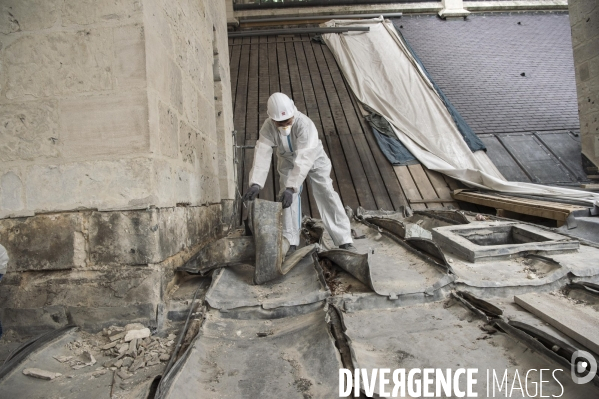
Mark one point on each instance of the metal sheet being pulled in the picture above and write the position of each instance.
(266, 222)
(434, 335)
(293, 358)
(232, 288)
(386, 266)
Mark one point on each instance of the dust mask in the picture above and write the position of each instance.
(285, 130)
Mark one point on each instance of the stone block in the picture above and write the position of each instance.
(59, 63)
(84, 12)
(164, 76)
(127, 237)
(176, 86)
(204, 223)
(30, 322)
(190, 103)
(30, 131)
(169, 131)
(11, 193)
(206, 115)
(125, 183)
(41, 242)
(107, 287)
(28, 15)
(95, 319)
(156, 25)
(106, 124)
(189, 143)
(130, 56)
(166, 176)
(172, 231)
(200, 67)
(585, 51)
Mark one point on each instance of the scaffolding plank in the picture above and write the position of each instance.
(441, 187)
(388, 176)
(545, 209)
(378, 191)
(358, 174)
(347, 190)
(409, 186)
(567, 318)
(424, 185)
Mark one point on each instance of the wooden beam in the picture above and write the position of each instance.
(567, 318)
(545, 209)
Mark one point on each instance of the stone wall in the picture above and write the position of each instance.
(584, 19)
(115, 153)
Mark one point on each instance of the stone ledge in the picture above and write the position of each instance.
(82, 240)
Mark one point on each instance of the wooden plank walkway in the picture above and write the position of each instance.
(525, 206)
(308, 73)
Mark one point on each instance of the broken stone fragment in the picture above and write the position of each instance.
(133, 345)
(87, 358)
(164, 357)
(139, 334)
(127, 362)
(153, 361)
(98, 373)
(123, 374)
(123, 348)
(110, 345)
(63, 359)
(41, 374)
(138, 363)
(117, 336)
(134, 326)
(118, 363)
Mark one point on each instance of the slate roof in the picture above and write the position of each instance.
(529, 122)
(478, 64)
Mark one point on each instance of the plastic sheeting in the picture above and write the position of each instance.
(384, 75)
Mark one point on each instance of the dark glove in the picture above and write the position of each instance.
(252, 193)
(287, 198)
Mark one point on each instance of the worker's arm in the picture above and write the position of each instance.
(307, 144)
(262, 157)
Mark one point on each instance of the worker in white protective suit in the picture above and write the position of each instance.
(300, 155)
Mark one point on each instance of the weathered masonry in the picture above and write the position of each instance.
(115, 153)
(584, 18)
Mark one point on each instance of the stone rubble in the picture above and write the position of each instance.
(41, 374)
(130, 348)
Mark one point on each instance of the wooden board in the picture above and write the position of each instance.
(545, 209)
(441, 188)
(409, 187)
(565, 317)
(424, 185)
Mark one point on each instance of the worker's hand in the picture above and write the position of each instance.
(252, 193)
(287, 198)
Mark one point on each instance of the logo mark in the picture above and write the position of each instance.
(283, 113)
(583, 363)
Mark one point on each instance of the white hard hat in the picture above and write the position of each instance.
(280, 107)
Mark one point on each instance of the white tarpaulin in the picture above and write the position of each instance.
(384, 75)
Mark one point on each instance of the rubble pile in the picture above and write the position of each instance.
(132, 348)
(128, 348)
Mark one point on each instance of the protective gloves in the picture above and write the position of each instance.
(252, 193)
(287, 198)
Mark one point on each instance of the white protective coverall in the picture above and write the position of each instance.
(300, 155)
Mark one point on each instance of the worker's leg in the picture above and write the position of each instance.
(329, 204)
(292, 216)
